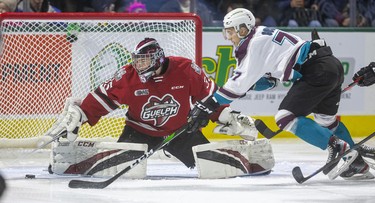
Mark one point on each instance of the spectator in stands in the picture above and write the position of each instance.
(108, 5)
(366, 13)
(8, 6)
(184, 6)
(337, 12)
(36, 6)
(73, 5)
(153, 6)
(298, 13)
(136, 7)
(334, 12)
(265, 10)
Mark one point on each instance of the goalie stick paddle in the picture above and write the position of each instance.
(300, 178)
(268, 133)
(100, 185)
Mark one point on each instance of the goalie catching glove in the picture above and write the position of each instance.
(234, 123)
(69, 121)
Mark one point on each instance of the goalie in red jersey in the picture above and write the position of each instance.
(159, 92)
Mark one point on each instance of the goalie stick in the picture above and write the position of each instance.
(54, 138)
(41, 146)
(298, 175)
(268, 133)
(100, 185)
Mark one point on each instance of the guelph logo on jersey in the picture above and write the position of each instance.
(160, 110)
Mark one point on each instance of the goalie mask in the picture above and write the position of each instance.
(237, 18)
(147, 57)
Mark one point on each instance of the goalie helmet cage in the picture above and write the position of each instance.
(48, 57)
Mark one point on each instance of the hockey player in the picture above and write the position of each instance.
(265, 55)
(159, 92)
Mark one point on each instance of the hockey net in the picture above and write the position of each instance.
(46, 58)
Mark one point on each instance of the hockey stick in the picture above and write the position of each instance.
(268, 133)
(103, 184)
(297, 173)
(350, 86)
(54, 138)
(265, 130)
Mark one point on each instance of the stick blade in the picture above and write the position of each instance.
(87, 184)
(297, 175)
(264, 130)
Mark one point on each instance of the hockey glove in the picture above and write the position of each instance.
(366, 75)
(200, 114)
(234, 123)
(70, 120)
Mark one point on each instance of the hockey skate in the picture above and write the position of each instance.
(358, 170)
(335, 148)
(368, 153)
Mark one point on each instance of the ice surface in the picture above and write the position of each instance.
(170, 181)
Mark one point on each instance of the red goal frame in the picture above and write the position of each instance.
(113, 16)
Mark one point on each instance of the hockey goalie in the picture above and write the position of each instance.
(159, 92)
(224, 159)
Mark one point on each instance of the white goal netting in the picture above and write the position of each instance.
(46, 58)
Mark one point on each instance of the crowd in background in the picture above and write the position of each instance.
(286, 13)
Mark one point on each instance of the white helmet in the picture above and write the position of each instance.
(237, 17)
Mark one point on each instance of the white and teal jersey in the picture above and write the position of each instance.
(264, 50)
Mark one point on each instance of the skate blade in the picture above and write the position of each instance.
(335, 172)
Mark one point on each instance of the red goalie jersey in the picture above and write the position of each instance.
(158, 107)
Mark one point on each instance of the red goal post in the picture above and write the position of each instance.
(47, 57)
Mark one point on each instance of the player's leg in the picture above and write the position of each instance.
(132, 136)
(325, 115)
(300, 101)
(319, 81)
(181, 147)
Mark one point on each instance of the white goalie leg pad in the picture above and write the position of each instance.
(97, 159)
(234, 123)
(234, 158)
